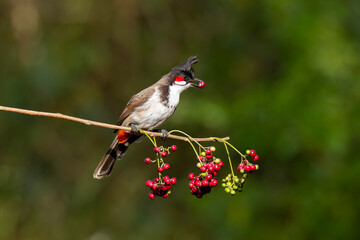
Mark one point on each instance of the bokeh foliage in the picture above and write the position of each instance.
(281, 77)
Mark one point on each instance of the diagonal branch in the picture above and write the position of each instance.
(104, 125)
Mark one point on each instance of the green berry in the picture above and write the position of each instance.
(256, 167)
(235, 187)
(217, 161)
(228, 184)
(236, 180)
(227, 190)
(242, 180)
(242, 170)
(239, 190)
(232, 192)
(203, 154)
(198, 165)
(223, 185)
(245, 175)
(248, 152)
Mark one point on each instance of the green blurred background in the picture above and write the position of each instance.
(282, 77)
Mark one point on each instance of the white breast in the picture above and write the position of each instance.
(154, 112)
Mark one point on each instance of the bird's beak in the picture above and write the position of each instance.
(196, 82)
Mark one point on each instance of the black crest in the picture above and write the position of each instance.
(187, 65)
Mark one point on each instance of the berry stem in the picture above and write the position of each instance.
(230, 163)
(191, 139)
(188, 136)
(242, 155)
(147, 135)
(226, 142)
(193, 147)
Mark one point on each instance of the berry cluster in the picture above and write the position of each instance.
(245, 165)
(209, 166)
(161, 185)
(233, 183)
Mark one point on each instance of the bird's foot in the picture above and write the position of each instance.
(133, 130)
(165, 134)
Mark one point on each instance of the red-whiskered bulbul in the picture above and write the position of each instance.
(147, 110)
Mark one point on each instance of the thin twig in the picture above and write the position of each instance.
(104, 125)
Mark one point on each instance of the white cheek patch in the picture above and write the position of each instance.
(181, 83)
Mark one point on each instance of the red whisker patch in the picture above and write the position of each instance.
(178, 79)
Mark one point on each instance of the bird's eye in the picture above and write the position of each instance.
(178, 79)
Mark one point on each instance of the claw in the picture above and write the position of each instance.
(133, 129)
(165, 134)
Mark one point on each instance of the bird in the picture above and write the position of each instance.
(147, 110)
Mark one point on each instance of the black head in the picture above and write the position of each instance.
(183, 74)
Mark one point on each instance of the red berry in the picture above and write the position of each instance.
(165, 195)
(203, 169)
(173, 180)
(160, 169)
(247, 168)
(173, 148)
(221, 164)
(256, 157)
(208, 157)
(241, 166)
(201, 84)
(204, 183)
(209, 176)
(199, 157)
(164, 154)
(191, 176)
(197, 178)
(166, 166)
(216, 167)
(191, 185)
(211, 169)
(156, 149)
(167, 181)
(149, 183)
(151, 195)
(214, 182)
(198, 183)
(208, 151)
(252, 167)
(252, 153)
(147, 160)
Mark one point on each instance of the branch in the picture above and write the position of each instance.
(104, 125)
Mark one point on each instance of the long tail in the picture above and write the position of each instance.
(116, 151)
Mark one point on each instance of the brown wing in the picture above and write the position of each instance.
(136, 100)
